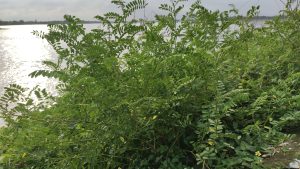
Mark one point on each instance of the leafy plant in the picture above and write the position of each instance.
(206, 90)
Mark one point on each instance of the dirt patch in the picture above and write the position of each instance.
(286, 154)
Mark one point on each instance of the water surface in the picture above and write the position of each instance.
(21, 53)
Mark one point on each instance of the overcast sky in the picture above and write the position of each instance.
(43, 10)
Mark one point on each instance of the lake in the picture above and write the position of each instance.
(21, 53)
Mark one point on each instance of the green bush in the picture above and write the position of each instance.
(210, 91)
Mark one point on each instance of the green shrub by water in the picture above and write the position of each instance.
(210, 91)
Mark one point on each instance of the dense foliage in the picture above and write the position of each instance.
(210, 91)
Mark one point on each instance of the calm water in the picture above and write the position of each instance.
(21, 53)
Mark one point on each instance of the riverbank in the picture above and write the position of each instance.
(285, 154)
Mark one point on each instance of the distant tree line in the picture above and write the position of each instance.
(22, 22)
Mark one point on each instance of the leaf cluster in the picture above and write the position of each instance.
(209, 91)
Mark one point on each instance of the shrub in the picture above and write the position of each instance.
(164, 94)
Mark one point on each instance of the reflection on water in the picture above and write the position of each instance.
(21, 53)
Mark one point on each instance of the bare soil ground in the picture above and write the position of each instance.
(286, 154)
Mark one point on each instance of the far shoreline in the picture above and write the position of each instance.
(22, 22)
(9, 23)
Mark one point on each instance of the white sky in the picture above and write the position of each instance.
(43, 10)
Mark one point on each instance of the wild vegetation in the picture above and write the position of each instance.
(210, 91)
